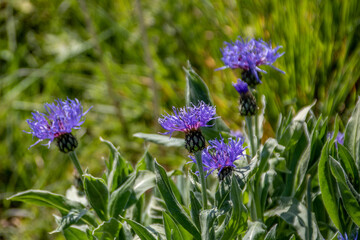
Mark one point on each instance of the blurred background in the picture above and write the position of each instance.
(125, 58)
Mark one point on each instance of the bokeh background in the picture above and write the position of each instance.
(125, 58)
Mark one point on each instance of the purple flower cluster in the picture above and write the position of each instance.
(249, 55)
(61, 118)
(188, 118)
(220, 155)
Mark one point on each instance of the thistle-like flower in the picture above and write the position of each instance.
(247, 104)
(189, 120)
(248, 56)
(57, 123)
(221, 156)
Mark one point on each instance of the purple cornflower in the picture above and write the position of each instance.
(249, 56)
(339, 138)
(189, 120)
(57, 123)
(221, 156)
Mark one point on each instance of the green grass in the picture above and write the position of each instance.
(47, 51)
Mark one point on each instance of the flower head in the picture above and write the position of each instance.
(189, 118)
(221, 156)
(60, 119)
(249, 55)
(241, 87)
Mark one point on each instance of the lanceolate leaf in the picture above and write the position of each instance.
(237, 223)
(49, 199)
(172, 204)
(296, 214)
(207, 218)
(196, 89)
(72, 233)
(120, 197)
(347, 191)
(172, 230)
(140, 230)
(161, 140)
(97, 194)
(66, 221)
(328, 189)
(352, 134)
(118, 168)
(255, 231)
(108, 230)
(271, 235)
(348, 163)
(195, 209)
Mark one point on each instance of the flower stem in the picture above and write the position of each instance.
(202, 178)
(250, 135)
(257, 134)
(76, 162)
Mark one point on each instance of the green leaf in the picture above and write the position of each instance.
(49, 199)
(161, 140)
(140, 230)
(237, 223)
(302, 167)
(266, 152)
(352, 134)
(71, 218)
(195, 209)
(348, 163)
(118, 167)
(73, 233)
(146, 162)
(295, 214)
(294, 130)
(171, 202)
(108, 230)
(144, 181)
(328, 189)
(271, 235)
(207, 218)
(120, 197)
(255, 231)
(347, 191)
(196, 89)
(171, 228)
(97, 194)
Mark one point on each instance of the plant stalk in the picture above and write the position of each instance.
(250, 134)
(76, 162)
(202, 178)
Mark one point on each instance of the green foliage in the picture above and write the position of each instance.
(97, 194)
(298, 185)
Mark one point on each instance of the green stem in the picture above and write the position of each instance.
(250, 135)
(202, 178)
(253, 210)
(257, 131)
(76, 162)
